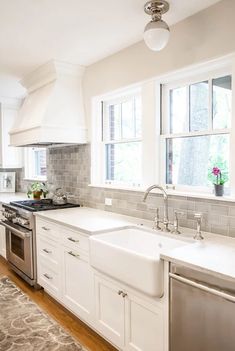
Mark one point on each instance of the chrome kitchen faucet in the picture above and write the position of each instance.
(165, 221)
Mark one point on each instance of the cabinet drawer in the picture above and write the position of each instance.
(48, 251)
(51, 230)
(75, 240)
(49, 279)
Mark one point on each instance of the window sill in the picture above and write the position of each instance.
(169, 192)
(35, 179)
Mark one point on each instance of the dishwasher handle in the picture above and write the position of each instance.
(220, 293)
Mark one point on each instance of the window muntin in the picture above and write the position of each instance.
(122, 140)
(200, 120)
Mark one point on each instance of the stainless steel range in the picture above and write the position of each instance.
(21, 236)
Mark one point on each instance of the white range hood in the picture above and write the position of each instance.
(52, 112)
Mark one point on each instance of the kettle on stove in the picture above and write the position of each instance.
(59, 197)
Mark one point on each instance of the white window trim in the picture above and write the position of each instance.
(153, 168)
(147, 92)
(28, 169)
(192, 79)
(107, 141)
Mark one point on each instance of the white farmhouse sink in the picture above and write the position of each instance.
(132, 256)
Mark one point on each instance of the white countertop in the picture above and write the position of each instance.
(8, 197)
(89, 220)
(215, 254)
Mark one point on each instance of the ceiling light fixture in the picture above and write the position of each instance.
(156, 32)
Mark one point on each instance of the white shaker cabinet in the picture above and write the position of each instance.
(110, 311)
(10, 157)
(48, 264)
(144, 325)
(130, 320)
(64, 269)
(77, 283)
(127, 320)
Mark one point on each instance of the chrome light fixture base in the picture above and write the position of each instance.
(156, 32)
(156, 7)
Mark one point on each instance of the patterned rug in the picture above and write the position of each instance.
(24, 327)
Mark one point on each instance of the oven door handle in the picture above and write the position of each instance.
(21, 234)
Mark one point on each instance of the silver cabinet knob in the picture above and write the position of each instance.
(73, 240)
(47, 251)
(45, 228)
(71, 253)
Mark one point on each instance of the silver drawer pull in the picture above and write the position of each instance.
(45, 228)
(47, 276)
(73, 254)
(47, 251)
(73, 240)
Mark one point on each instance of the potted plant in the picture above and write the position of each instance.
(219, 181)
(37, 189)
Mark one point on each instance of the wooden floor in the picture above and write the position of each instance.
(87, 337)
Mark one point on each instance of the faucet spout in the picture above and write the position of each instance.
(165, 196)
(155, 186)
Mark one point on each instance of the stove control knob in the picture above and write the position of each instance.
(8, 215)
(23, 221)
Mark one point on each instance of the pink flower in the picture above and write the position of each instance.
(216, 171)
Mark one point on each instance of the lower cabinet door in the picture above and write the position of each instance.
(110, 311)
(48, 278)
(78, 284)
(2, 241)
(144, 325)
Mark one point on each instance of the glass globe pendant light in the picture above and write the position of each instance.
(156, 32)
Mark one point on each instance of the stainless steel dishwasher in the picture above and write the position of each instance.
(202, 311)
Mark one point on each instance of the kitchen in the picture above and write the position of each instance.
(94, 118)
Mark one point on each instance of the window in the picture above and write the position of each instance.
(170, 130)
(35, 163)
(197, 130)
(122, 144)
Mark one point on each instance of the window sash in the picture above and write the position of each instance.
(107, 140)
(166, 88)
(30, 157)
(105, 117)
(166, 127)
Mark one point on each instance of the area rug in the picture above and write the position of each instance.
(25, 327)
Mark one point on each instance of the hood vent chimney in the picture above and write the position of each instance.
(52, 112)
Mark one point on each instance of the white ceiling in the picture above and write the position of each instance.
(34, 31)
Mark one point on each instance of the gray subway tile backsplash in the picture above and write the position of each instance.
(69, 168)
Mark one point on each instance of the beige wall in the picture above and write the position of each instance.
(206, 35)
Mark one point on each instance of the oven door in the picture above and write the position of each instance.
(19, 248)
